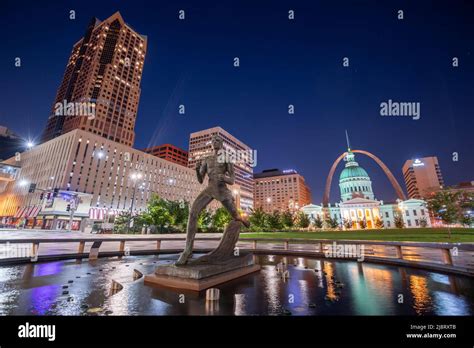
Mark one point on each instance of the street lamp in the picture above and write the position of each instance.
(135, 177)
(23, 183)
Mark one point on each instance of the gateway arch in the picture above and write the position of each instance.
(388, 173)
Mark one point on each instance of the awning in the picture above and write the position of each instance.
(97, 213)
(20, 212)
(101, 213)
(28, 212)
(33, 212)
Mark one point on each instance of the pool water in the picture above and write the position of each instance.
(314, 287)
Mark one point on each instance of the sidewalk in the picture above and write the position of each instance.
(66, 248)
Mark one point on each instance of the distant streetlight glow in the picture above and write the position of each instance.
(135, 176)
(23, 183)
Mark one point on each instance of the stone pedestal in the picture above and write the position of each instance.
(199, 277)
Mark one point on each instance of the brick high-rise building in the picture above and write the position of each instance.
(200, 147)
(102, 76)
(170, 153)
(422, 177)
(280, 190)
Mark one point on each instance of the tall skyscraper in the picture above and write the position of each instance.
(422, 177)
(170, 153)
(280, 190)
(100, 89)
(200, 147)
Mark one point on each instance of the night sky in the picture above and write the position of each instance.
(283, 62)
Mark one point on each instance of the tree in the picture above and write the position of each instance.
(466, 220)
(204, 220)
(179, 210)
(258, 219)
(221, 218)
(347, 224)
(398, 220)
(302, 220)
(158, 213)
(123, 221)
(331, 222)
(363, 224)
(274, 220)
(423, 222)
(379, 223)
(466, 200)
(449, 206)
(287, 219)
(318, 223)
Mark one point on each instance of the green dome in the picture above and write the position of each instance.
(353, 172)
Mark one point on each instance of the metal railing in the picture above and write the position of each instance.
(451, 257)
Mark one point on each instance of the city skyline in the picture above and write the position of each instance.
(228, 95)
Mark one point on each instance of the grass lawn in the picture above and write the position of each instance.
(405, 234)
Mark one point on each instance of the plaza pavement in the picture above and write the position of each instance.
(55, 248)
(463, 259)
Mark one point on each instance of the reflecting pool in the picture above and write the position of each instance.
(314, 287)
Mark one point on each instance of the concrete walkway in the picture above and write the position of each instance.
(58, 245)
(10, 250)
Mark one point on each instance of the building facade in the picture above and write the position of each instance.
(238, 152)
(359, 209)
(112, 174)
(354, 180)
(100, 90)
(280, 190)
(422, 177)
(170, 153)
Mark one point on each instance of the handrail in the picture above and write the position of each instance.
(446, 249)
(435, 245)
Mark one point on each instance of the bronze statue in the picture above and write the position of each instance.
(220, 173)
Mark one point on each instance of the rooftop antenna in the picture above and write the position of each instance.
(348, 144)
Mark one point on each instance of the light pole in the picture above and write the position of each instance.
(25, 183)
(73, 203)
(135, 177)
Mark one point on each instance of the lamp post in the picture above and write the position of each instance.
(25, 183)
(135, 177)
(29, 145)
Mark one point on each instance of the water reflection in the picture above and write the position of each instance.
(314, 287)
(450, 304)
(43, 298)
(420, 293)
(239, 304)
